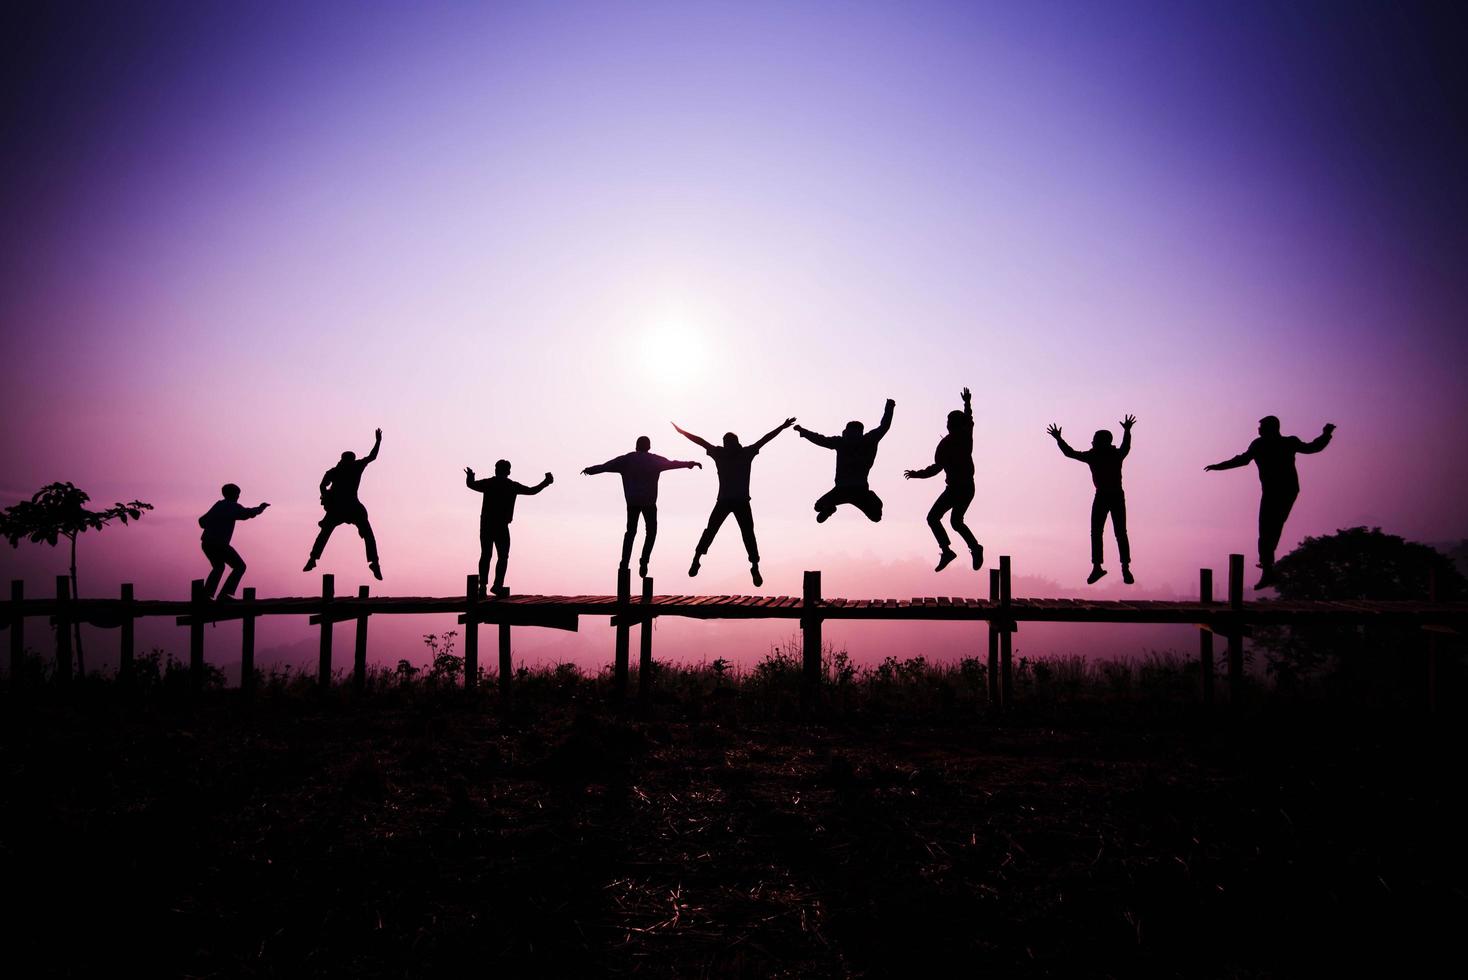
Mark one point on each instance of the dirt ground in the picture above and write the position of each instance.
(432, 835)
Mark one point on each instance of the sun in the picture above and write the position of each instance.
(674, 350)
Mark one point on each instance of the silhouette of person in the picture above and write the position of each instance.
(1274, 454)
(954, 458)
(495, 515)
(733, 462)
(218, 524)
(339, 498)
(856, 451)
(640, 471)
(1105, 462)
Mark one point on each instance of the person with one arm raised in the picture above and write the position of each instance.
(495, 515)
(218, 524)
(733, 462)
(1105, 461)
(954, 458)
(1279, 482)
(339, 486)
(856, 451)
(640, 471)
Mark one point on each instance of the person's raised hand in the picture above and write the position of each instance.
(697, 465)
(1329, 428)
(1210, 467)
(1129, 421)
(469, 472)
(909, 474)
(263, 505)
(891, 403)
(1054, 430)
(968, 396)
(799, 429)
(549, 479)
(377, 433)
(788, 422)
(586, 472)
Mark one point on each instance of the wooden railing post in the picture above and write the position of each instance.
(619, 666)
(810, 632)
(1205, 636)
(247, 643)
(17, 631)
(644, 658)
(359, 650)
(328, 596)
(1006, 638)
(1236, 630)
(993, 640)
(471, 632)
(125, 651)
(198, 605)
(63, 629)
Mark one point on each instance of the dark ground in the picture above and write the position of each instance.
(417, 833)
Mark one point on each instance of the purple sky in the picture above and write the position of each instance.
(238, 237)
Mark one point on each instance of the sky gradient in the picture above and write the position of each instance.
(239, 237)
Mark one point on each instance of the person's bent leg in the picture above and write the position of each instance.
(364, 528)
(237, 571)
(216, 569)
(961, 500)
(869, 504)
(716, 521)
(1274, 510)
(826, 503)
(328, 524)
(1123, 542)
(935, 519)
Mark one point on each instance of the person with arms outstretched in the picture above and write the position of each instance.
(495, 515)
(339, 487)
(640, 471)
(954, 458)
(856, 451)
(1279, 482)
(1105, 460)
(733, 462)
(218, 523)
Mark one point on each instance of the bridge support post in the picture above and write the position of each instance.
(359, 651)
(471, 632)
(197, 608)
(1236, 630)
(247, 643)
(993, 641)
(125, 641)
(328, 596)
(644, 658)
(624, 630)
(1205, 637)
(1006, 636)
(810, 632)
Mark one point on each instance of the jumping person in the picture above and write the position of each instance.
(218, 524)
(954, 458)
(733, 462)
(495, 515)
(1105, 462)
(339, 498)
(1274, 454)
(856, 451)
(640, 471)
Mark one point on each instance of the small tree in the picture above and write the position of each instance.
(56, 511)
(1354, 563)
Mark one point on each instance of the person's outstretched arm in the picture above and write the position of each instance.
(1242, 459)
(968, 404)
(376, 445)
(925, 472)
(538, 487)
(773, 433)
(1054, 430)
(1126, 434)
(692, 438)
(828, 442)
(680, 464)
(472, 483)
(881, 430)
(1320, 441)
(255, 511)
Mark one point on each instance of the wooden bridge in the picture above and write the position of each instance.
(1003, 612)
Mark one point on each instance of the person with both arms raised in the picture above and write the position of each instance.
(640, 471)
(856, 451)
(733, 462)
(1105, 461)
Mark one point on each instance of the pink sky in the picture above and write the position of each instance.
(538, 234)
